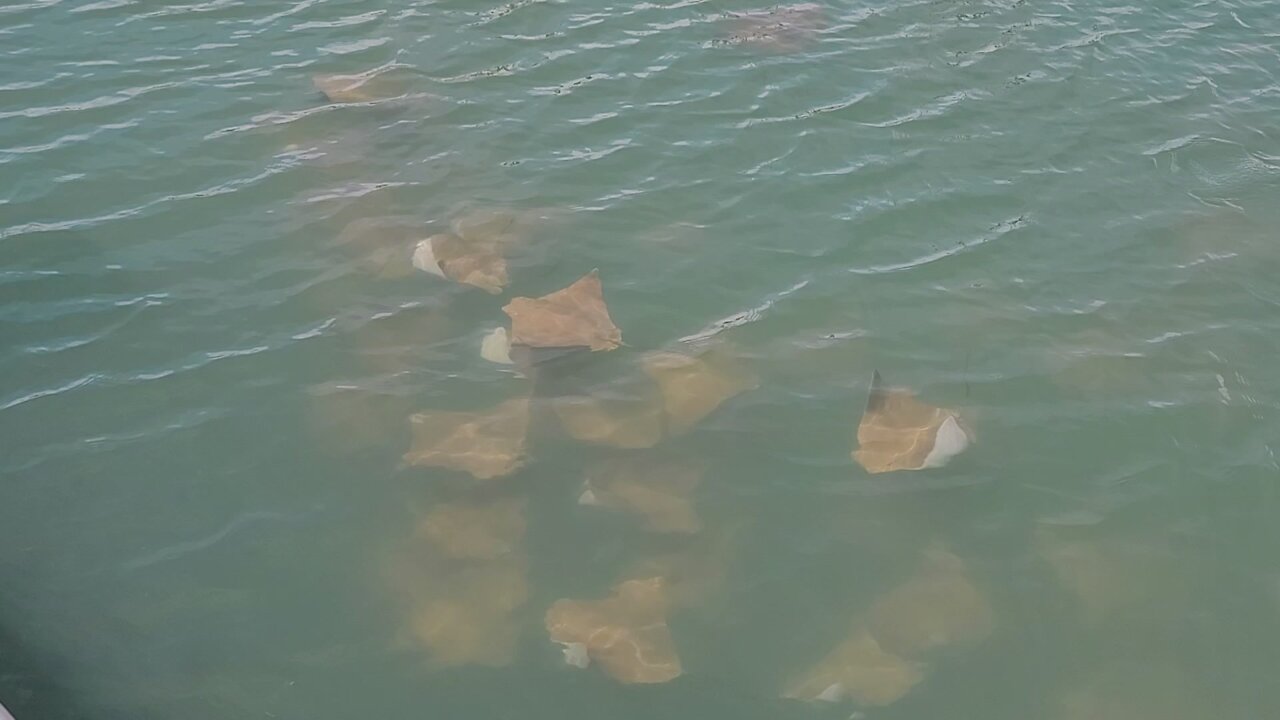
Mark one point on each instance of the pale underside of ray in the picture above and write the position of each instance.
(694, 387)
(1107, 577)
(898, 432)
(496, 347)
(938, 607)
(622, 423)
(574, 316)
(486, 445)
(475, 530)
(661, 494)
(858, 669)
(626, 633)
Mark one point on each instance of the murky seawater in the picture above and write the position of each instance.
(252, 463)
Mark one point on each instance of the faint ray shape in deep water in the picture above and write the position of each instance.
(623, 420)
(489, 444)
(476, 529)
(939, 607)
(857, 669)
(461, 612)
(659, 494)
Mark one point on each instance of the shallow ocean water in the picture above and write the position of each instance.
(1057, 218)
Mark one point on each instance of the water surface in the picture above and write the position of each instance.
(1057, 218)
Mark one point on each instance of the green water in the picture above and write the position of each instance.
(1058, 219)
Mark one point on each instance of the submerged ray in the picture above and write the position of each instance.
(938, 607)
(476, 264)
(858, 669)
(486, 444)
(694, 387)
(898, 432)
(383, 243)
(660, 493)
(696, 573)
(626, 633)
(634, 423)
(475, 530)
(575, 316)
(464, 615)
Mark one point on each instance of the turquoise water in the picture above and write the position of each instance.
(1057, 219)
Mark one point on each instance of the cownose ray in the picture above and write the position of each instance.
(488, 444)
(857, 669)
(938, 607)
(478, 264)
(473, 251)
(626, 633)
(693, 387)
(898, 432)
(475, 530)
(621, 422)
(572, 317)
(659, 493)
(461, 612)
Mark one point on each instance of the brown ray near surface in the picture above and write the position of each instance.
(693, 387)
(857, 669)
(621, 423)
(937, 607)
(626, 633)
(575, 316)
(898, 432)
